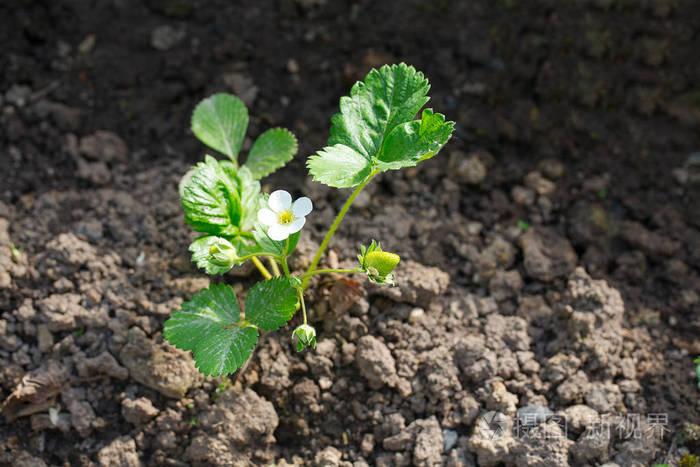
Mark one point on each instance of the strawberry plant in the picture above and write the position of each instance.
(375, 131)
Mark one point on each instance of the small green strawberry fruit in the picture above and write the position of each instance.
(378, 264)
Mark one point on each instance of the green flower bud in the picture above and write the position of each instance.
(305, 336)
(222, 253)
(215, 255)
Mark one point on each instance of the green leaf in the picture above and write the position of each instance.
(387, 98)
(210, 198)
(209, 326)
(220, 199)
(375, 128)
(413, 142)
(292, 244)
(271, 151)
(339, 166)
(220, 122)
(215, 255)
(270, 304)
(268, 245)
(251, 198)
(185, 180)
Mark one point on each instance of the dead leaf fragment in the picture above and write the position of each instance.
(35, 393)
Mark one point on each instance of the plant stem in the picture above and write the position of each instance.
(334, 227)
(274, 267)
(333, 271)
(254, 255)
(263, 270)
(285, 266)
(303, 305)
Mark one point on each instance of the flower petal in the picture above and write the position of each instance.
(267, 217)
(280, 201)
(302, 207)
(296, 225)
(278, 232)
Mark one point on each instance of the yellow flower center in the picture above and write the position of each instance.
(285, 217)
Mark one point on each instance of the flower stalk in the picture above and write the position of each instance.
(274, 267)
(261, 267)
(333, 271)
(334, 226)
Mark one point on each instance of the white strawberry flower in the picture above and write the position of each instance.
(282, 217)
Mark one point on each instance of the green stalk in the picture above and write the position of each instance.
(263, 270)
(334, 227)
(257, 255)
(274, 267)
(303, 305)
(333, 271)
(285, 266)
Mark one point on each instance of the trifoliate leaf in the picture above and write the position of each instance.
(210, 198)
(220, 122)
(209, 326)
(270, 304)
(375, 128)
(214, 254)
(339, 166)
(272, 150)
(413, 142)
(387, 98)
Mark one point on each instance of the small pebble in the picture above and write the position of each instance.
(416, 315)
(166, 37)
(533, 415)
(449, 439)
(292, 66)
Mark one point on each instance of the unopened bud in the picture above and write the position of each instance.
(305, 336)
(222, 253)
